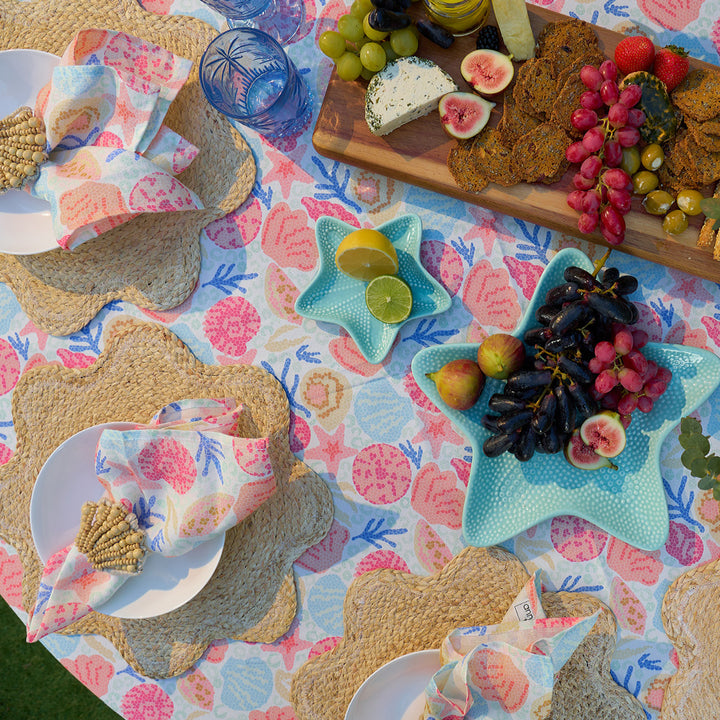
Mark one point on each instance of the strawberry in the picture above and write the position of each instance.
(634, 53)
(671, 66)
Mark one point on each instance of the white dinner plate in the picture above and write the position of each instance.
(396, 691)
(65, 482)
(25, 222)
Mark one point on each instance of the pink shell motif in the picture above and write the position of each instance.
(167, 461)
(160, 192)
(206, 515)
(498, 680)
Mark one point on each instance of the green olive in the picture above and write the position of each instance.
(658, 202)
(675, 222)
(644, 182)
(652, 157)
(689, 201)
(630, 162)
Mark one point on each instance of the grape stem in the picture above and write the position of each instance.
(599, 264)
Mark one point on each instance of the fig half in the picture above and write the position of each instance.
(464, 115)
(488, 71)
(604, 433)
(582, 456)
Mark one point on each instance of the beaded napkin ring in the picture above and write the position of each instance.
(111, 538)
(22, 147)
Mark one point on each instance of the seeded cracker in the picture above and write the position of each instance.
(542, 152)
(704, 165)
(593, 58)
(562, 42)
(567, 101)
(706, 134)
(698, 95)
(535, 87)
(498, 162)
(676, 172)
(464, 167)
(515, 122)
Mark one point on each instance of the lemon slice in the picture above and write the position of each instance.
(389, 299)
(366, 254)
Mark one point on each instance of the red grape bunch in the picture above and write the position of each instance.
(610, 121)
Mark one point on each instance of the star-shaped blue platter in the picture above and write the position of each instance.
(506, 497)
(337, 298)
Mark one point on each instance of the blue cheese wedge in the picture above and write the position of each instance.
(404, 90)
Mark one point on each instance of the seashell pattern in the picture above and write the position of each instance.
(22, 147)
(111, 538)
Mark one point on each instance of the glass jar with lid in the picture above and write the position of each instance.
(460, 17)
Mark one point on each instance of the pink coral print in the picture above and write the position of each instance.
(273, 713)
(525, 274)
(318, 208)
(167, 461)
(682, 334)
(498, 680)
(11, 578)
(629, 611)
(443, 263)
(381, 474)
(197, 689)
(141, 64)
(489, 296)
(230, 324)
(93, 671)
(381, 560)
(58, 617)
(713, 328)
(322, 646)
(633, 564)
(436, 497)
(684, 544)
(9, 367)
(430, 548)
(281, 294)
(671, 15)
(576, 539)
(287, 239)
(239, 228)
(251, 454)
(327, 552)
(159, 192)
(147, 702)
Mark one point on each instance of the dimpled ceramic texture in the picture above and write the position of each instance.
(506, 497)
(337, 298)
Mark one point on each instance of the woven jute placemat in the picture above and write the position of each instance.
(251, 595)
(388, 613)
(152, 261)
(689, 614)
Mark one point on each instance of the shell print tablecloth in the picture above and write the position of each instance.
(396, 466)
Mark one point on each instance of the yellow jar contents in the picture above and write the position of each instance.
(460, 17)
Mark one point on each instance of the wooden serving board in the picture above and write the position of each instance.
(417, 153)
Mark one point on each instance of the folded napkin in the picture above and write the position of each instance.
(110, 156)
(184, 478)
(505, 670)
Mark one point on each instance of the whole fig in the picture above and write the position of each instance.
(459, 383)
(500, 354)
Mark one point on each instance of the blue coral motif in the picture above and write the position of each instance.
(211, 450)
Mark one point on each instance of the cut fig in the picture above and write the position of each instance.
(488, 71)
(604, 433)
(582, 456)
(464, 115)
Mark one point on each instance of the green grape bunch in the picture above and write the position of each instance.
(697, 457)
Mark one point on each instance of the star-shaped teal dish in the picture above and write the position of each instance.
(506, 497)
(337, 298)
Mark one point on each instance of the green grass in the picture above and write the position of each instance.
(34, 685)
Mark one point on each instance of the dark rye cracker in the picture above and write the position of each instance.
(534, 89)
(698, 95)
(541, 152)
(564, 41)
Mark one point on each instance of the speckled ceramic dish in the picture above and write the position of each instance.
(506, 496)
(337, 298)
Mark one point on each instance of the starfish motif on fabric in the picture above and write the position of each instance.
(289, 646)
(330, 448)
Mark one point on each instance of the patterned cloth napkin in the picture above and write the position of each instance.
(505, 670)
(186, 478)
(110, 156)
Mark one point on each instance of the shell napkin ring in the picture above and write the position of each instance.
(110, 537)
(22, 147)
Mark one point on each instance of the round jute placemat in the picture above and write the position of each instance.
(689, 612)
(152, 261)
(251, 595)
(388, 613)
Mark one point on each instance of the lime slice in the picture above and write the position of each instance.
(389, 299)
(366, 254)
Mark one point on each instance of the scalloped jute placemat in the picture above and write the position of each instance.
(251, 596)
(689, 614)
(152, 261)
(388, 613)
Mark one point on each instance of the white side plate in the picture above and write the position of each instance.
(396, 691)
(25, 222)
(65, 482)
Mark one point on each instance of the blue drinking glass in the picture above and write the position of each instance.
(280, 19)
(247, 76)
